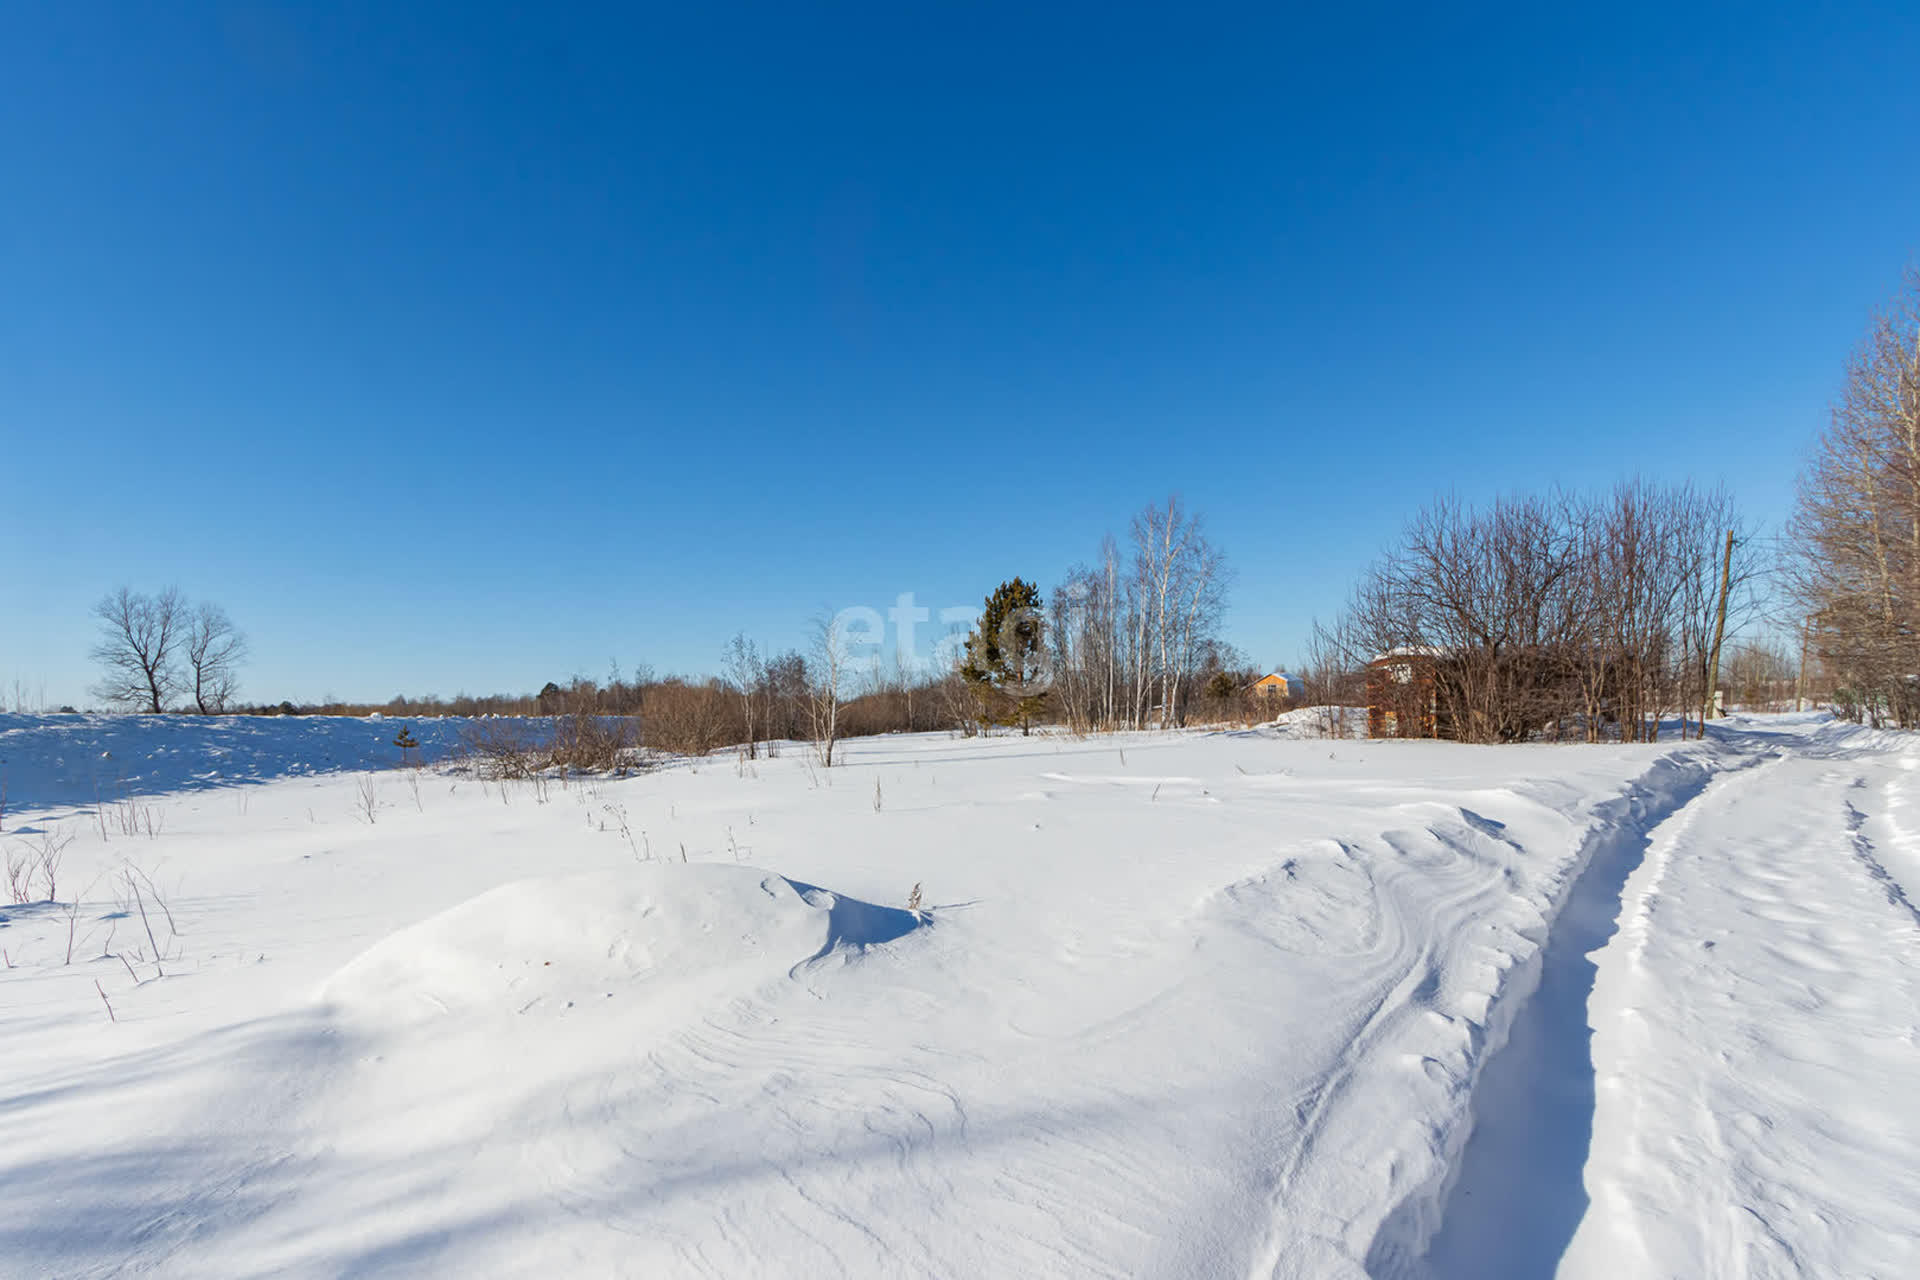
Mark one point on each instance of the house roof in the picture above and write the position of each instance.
(1413, 651)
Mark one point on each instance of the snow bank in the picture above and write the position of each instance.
(662, 931)
(1322, 722)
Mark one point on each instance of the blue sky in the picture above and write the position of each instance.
(466, 346)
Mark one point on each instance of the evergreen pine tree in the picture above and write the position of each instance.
(1004, 661)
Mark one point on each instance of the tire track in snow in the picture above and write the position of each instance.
(1863, 850)
(1424, 1030)
(1754, 1034)
(1507, 1194)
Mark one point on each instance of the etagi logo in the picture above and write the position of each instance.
(863, 634)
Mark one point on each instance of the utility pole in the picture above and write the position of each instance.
(1719, 630)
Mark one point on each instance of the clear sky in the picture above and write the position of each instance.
(462, 347)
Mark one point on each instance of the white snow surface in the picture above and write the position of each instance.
(1202, 1005)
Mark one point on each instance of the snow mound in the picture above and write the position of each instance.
(555, 944)
(1321, 722)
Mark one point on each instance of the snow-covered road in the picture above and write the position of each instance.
(1757, 1029)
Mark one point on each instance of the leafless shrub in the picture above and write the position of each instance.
(153, 891)
(48, 851)
(502, 747)
(19, 864)
(366, 798)
(588, 742)
(134, 890)
(513, 748)
(898, 698)
(962, 708)
(134, 818)
(39, 857)
(1552, 617)
(690, 719)
(618, 812)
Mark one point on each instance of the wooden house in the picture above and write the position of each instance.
(1403, 697)
(1277, 685)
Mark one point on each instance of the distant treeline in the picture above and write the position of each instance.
(1132, 642)
(699, 716)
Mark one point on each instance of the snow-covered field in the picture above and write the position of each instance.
(1185, 1005)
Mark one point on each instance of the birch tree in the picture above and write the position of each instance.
(747, 673)
(1856, 527)
(1128, 635)
(827, 690)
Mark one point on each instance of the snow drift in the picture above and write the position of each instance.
(660, 931)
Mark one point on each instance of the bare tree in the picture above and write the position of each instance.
(1202, 600)
(1656, 568)
(215, 648)
(746, 672)
(1489, 593)
(1077, 629)
(1856, 531)
(1761, 676)
(1555, 616)
(1128, 640)
(831, 658)
(27, 702)
(140, 636)
(785, 697)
